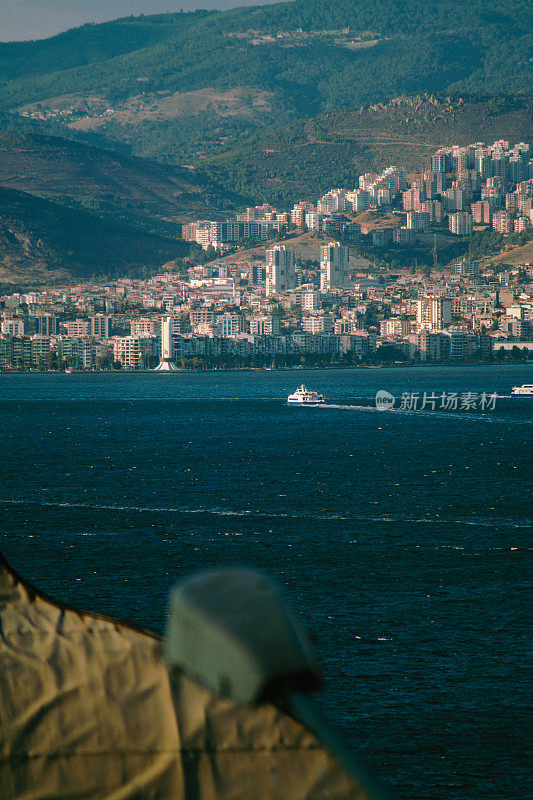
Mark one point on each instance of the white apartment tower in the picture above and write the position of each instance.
(280, 269)
(460, 223)
(333, 266)
(433, 313)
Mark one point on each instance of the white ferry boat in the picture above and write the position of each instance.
(304, 397)
(526, 389)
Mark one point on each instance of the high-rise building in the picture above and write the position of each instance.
(501, 222)
(412, 199)
(230, 324)
(434, 183)
(333, 266)
(441, 161)
(127, 350)
(281, 273)
(47, 324)
(483, 162)
(432, 346)
(314, 220)
(454, 199)
(520, 224)
(318, 323)
(395, 326)
(258, 274)
(264, 325)
(459, 159)
(360, 200)
(418, 220)
(310, 297)
(434, 209)
(460, 223)
(433, 313)
(298, 213)
(78, 328)
(13, 327)
(482, 212)
(100, 326)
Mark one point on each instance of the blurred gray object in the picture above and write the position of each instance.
(88, 708)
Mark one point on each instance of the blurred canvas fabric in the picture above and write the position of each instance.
(88, 709)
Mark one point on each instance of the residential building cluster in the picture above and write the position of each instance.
(478, 185)
(278, 309)
(254, 314)
(465, 188)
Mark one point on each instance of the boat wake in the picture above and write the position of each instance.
(349, 407)
(483, 522)
(479, 416)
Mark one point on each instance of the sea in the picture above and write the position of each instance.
(401, 538)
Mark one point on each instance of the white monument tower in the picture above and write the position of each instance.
(166, 363)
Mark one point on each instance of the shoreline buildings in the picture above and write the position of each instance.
(261, 311)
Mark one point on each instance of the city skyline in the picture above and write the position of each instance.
(239, 310)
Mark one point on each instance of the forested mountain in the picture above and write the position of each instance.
(180, 87)
(126, 188)
(44, 242)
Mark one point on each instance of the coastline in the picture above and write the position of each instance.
(307, 367)
(348, 367)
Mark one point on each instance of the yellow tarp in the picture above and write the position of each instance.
(88, 711)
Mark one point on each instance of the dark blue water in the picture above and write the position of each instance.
(403, 539)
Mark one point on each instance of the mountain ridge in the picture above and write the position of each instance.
(308, 58)
(107, 181)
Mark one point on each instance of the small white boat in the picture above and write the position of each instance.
(526, 389)
(304, 397)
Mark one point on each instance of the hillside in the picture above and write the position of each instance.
(305, 159)
(180, 87)
(306, 247)
(53, 191)
(44, 242)
(116, 186)
(513, 256)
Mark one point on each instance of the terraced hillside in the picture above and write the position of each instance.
(305, 159)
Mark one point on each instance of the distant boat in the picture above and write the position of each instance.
(304, 397)
(69, 370)
(526, 390)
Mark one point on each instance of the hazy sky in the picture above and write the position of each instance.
(37, 19)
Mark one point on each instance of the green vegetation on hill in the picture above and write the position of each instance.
(133, 82)
(305, 159)
(39, 238)
(154, 197)
(79, 47)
